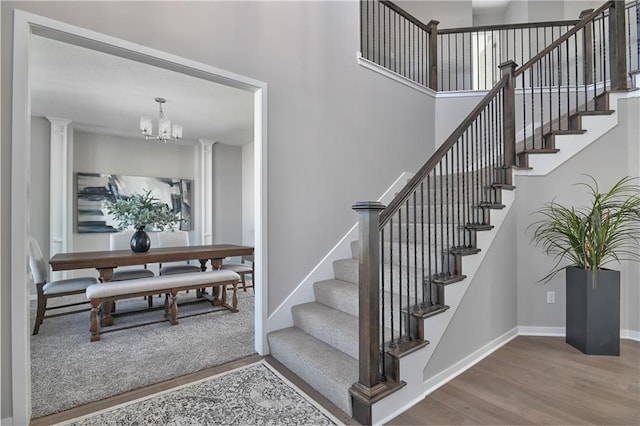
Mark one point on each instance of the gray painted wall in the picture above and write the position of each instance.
(613, 156)
(227, 194)
(330, 120)
(488, 309)
(39, 197)
(248, 193)
(451, 14)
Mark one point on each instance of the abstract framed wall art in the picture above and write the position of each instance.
(93, 189)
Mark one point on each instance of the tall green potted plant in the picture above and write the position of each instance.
(138, 211)
(608, 229)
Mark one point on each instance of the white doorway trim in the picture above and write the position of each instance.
(26, 24)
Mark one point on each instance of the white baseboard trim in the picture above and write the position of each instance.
(467, 362)
(524, 330)
(630, 334)
(560, 332)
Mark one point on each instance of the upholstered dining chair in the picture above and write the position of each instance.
(122, 241)
(243, 269)
(175, 238)
(48, 290)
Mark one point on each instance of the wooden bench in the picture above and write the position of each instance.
(169, 284)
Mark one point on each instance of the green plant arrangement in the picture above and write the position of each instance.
(607, 229)
(140, 210)
(588, 237)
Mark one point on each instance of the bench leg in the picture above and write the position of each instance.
(107, 307)
(95, 323)
(174, 307)
(234, 299)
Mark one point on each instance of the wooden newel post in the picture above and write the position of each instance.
(433, 54)
(368, 386)
(509, 119)
(617, 46)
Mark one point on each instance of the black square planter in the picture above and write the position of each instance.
(593, 312)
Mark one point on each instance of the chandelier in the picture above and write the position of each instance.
(165, 131)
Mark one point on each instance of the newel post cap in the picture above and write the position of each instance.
(368, 205)
(508, 65)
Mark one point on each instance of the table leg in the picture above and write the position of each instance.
(106, 308)
(216, 264)
(200, 292)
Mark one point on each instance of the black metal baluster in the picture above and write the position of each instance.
(442, 233)
(531, 84)
(422, 207)
(595, 79)
(459, 198)
(429, 227)
(603, 52)
(575, 53)
(382, 303)
(392, 342)
(566, 46)
(400, 316)
(407, 323)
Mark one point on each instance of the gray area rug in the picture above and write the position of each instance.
(250, 395)
(67, 370)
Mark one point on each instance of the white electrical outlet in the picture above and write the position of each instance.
(551, 297)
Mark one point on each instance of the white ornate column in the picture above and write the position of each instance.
(58, 189)
(206, 191)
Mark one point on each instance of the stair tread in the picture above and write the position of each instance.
(479, 226)
(595, 112)
(505, 186)
(338, 294)
(446, 279)
(494, 206)
(465, 251)
(566, 132)
(540, 151)
(429, 310)
(329, 325)
(326, 369)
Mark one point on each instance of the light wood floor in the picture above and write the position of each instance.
(538, 380)
(531, 380)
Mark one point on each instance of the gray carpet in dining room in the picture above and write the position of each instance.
(67, 370)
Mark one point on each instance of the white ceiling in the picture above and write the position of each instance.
(108, 94)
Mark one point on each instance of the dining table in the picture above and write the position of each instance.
(105, 261)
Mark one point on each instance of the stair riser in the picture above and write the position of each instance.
(349, 272)
(335, 389)
(432, 235)
(471, 193)
(435, 216)
(321, 325)
(345, 299)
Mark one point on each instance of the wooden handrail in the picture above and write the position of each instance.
(523, 25)
(437, 156)
(415, 21)
(583, 22)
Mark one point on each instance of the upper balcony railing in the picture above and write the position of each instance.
(468, 58)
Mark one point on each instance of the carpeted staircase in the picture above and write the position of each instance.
(322, 346)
